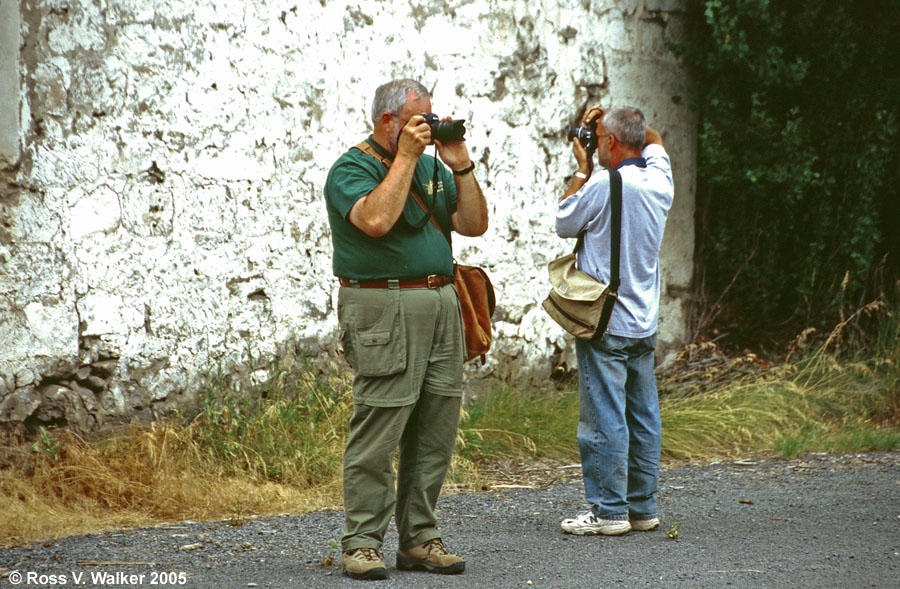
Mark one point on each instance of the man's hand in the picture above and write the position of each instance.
(653, 137)
(453, 153)
(593, 114)
(585, 160)
(414, 138)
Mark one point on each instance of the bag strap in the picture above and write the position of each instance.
(367, 148)
(615, 234)
(615, 187)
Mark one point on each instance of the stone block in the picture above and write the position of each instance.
(18, 406)
(104, 368)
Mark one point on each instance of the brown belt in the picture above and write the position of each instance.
(432, 281)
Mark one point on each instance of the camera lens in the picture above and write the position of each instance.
(585, 136)
(448, 130)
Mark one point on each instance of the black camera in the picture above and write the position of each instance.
(445, 130)
(587, 136)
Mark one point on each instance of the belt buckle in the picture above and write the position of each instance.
(432, 281)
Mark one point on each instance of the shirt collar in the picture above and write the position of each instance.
(633, 161)
(371, 141)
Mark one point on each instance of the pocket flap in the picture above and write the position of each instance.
(374, 338)
(571, 283)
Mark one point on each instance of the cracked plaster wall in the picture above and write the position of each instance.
(161, 212)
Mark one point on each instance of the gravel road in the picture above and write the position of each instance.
(821, 521)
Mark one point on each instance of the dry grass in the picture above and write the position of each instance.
(280, 449)
(815, 400)
(135, 477)
(274, 450)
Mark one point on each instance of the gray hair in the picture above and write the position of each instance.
(627, 123)
(391, 97)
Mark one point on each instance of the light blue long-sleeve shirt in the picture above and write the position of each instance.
(647, 195)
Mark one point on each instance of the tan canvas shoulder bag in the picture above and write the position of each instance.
(578, 302)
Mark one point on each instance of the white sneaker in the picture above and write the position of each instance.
(588, 524)
(645, 525)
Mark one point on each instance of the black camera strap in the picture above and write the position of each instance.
(615, 234)
(430, 210)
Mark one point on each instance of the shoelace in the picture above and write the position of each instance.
(435, 545)
(368, 554)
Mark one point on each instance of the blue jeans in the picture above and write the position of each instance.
(619, 429)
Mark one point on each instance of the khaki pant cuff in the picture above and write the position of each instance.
(354, 545)
(420, 538)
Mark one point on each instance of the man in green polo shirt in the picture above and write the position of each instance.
(402, 331)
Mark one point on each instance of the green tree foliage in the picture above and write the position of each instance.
(798, 167)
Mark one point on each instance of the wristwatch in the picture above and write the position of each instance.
(464, 171)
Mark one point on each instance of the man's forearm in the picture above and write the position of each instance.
(585, 163)
(574, 186)
(471, 217)
(377, 212)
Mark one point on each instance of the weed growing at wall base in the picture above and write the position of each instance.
(841, 400)
(278, 448)
(291, 430)
(275, 449)
(844, 400)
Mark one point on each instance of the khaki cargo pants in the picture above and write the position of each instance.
(406, 347)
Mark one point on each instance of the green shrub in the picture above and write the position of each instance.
(798, 168)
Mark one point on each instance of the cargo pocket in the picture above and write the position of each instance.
(375, 338)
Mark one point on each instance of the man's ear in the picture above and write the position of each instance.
(612, 138)
(385, 118)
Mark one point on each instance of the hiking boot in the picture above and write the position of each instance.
(645, 525)
(588, 524)
(363, 563)
(431, 557)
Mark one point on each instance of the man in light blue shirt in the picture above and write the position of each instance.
(619, 430)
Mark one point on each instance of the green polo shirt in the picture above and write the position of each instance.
(403, 252)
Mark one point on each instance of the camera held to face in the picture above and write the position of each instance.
(445, 130)
(587, 136)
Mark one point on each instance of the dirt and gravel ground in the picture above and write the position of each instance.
(821, 521)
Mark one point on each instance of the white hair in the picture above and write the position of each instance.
(627, 123)
(391, 97)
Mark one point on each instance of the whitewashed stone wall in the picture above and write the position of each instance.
(161, 214)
